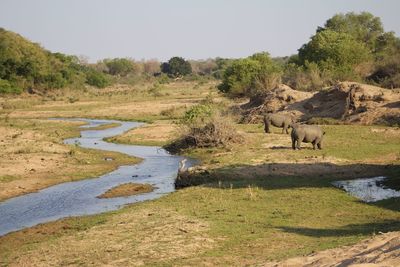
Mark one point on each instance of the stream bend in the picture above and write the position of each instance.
(158, 168)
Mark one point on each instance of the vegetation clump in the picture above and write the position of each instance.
(250, 76)
(126, 190)
(203, 126)
(176, 67)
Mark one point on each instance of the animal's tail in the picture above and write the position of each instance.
(323, 133)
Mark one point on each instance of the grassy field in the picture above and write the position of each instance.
(255, 202)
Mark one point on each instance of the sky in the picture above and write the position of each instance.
(193, 29)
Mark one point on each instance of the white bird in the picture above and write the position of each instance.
(182, 165)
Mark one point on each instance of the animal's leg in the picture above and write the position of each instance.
(319, 144)
(313, 144)
(266, 127)
(293, 143)
(299, 140)
(298, 144)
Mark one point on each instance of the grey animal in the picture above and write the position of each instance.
(277, 120)
(306, 133)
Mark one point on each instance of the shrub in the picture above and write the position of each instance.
(7, 88)
(197, 114)
(96, 78)
(216, 132)
(173, 112)
(387, 72)
(119, 66)
(155, 90)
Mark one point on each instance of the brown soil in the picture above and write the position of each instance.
(126, 190)
(381, 250)
(346, 101)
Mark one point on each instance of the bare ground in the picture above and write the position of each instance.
(349, 102)
(380, 250)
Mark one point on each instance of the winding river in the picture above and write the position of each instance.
(158, 168)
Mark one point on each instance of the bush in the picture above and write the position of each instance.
(119, 66)
(203, 126)
(155, 90)
(387, 72)
(96, 78)
(7, 88)
(197, 114)
(218, 132)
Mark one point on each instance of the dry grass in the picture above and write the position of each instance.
(158, 133)
(143, 236)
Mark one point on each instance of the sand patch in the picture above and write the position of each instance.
(381, 250)
(128, 189)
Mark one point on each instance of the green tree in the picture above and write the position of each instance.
(349, 47)
(250, 76)
(328, 48)
(120, 66)
(363, 27)
(338, 53)
(176, 67)
(25, 64)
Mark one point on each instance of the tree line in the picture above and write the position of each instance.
(352, 47)
(349, 46)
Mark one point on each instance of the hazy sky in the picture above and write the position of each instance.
(188, 28)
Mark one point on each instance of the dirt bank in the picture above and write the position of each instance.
(380, 250)
(348, 102)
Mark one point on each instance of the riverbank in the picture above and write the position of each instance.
(34, 157)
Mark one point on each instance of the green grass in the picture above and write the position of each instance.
(252, 221)
(274, 223)
(345, 142)
(8, 178)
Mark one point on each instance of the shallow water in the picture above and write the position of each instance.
(158, 168)
(367, 189)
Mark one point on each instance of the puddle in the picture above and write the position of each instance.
(367, 189)
(159, 168)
